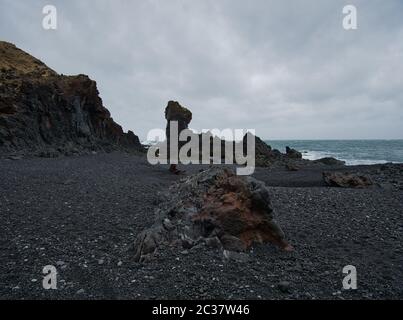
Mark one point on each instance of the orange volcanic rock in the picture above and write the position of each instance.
(214, 207)
(240, 210)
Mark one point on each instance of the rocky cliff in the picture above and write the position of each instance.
(44, 113)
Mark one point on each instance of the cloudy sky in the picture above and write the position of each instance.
(285, 68)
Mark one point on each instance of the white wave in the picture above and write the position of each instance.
(149, 142)
(355, 162)
(315, 155)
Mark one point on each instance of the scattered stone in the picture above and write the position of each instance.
(15, 158)
(68, 182)
(346, 180)
(236, 256)
(284, 286)
(81, 291)
(186, 243)
(60, 263)
(232, 243)
(168, 224)
(386, 186)
(213, 242)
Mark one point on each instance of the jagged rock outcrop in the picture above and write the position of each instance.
(214, 207)
(265, 156)
(44, 113)
(292, 153)
(346, 180)
(175, 112)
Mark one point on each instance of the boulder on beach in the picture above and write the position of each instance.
(292, 167)
(346, 180)
(216, 208)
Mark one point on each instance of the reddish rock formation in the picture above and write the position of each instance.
(216, 208)
(240, 208)
(42, 112)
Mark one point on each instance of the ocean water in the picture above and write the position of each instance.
(354, 152)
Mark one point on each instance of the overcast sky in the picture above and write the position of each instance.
(285, 68)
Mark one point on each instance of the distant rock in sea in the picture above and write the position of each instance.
(47, 114)
(330, 161)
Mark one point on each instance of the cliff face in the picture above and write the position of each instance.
(44, 113)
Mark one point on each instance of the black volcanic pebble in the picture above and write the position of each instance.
(110, 198)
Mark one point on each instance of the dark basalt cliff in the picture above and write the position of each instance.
(44, 113)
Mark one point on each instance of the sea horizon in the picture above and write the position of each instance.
(352, 151)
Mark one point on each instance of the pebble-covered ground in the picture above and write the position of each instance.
(82, 214)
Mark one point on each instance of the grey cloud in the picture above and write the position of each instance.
(285, 68)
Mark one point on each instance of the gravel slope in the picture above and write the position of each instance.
(82, 215)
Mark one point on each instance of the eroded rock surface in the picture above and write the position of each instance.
(214, 207)
(292, 153)
(346, 180)
(175, 112)
(46, 114)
